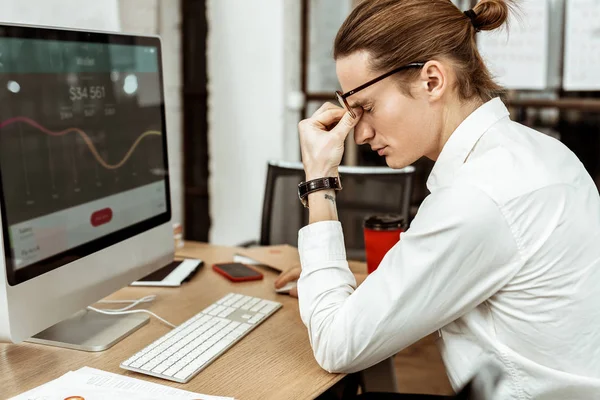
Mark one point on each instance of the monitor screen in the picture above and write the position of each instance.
(83, 161)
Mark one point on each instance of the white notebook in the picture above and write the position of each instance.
(174, 274)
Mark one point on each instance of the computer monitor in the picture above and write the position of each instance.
(84, 183)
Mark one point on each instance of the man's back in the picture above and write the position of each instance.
(545, 319)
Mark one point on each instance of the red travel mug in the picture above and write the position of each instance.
(382, 232)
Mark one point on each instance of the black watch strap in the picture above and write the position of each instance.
(306, 188)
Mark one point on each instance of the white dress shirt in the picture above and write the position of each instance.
(502, 258)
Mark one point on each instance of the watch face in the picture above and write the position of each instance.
(301, 191)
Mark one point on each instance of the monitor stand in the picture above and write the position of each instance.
(90, 331)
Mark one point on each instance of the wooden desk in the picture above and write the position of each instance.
(274, 361)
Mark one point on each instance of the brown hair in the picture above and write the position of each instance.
(398, 32)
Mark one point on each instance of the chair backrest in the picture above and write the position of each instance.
(367, 190)
(486, 384)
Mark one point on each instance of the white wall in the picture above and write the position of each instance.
(293, 71)
(82, 14)
(163, 17)
(246, 111)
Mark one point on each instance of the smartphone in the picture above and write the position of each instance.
(238, 272)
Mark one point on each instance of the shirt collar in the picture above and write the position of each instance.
(463, 140)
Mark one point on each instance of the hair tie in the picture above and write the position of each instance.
(472, 16)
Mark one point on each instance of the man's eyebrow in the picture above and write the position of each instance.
(356, 104)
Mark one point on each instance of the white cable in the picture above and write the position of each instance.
(146, 299)
(110, 312)
(124, 310)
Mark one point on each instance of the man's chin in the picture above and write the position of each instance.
(395, 164)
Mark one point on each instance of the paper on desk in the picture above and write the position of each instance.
(280, 257)
(62, 389)
(92, 384)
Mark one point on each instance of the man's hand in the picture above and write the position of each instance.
(291, 274)
(322, 138)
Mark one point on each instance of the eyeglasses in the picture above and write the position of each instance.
(341, 97)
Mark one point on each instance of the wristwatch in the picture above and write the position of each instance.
(306, 188)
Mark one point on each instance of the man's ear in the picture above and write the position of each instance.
(434, 78)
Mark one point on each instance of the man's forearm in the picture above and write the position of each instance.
(322, 206)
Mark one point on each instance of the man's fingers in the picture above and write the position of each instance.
(347, 123)
(294, 292)
(287, 276)
(325, 107)
(328, 117)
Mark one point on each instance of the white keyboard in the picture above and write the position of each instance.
(186, 350)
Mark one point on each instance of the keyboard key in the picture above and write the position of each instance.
(131, 360)
(257, 317)
(203, 319)
(209, 309)
(217, 310)
(243, 328)
(176, 368)
(216, 349)
(225, 298)
(138, 363)
(168, 352)
(232, 299)
(241, 302)
(171, 371)
(210, 342)
(254, 301)
(149, 366)
(227, 312)
(259, 305)
(227, 329)
(268, 308)
(194, 354)
(161, 368)
(184, 373)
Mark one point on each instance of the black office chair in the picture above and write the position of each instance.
(366, 190)
(485, 385)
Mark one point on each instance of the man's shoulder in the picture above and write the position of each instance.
(511, 161)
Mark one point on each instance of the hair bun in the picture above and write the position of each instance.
(491, 14)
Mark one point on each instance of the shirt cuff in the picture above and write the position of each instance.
(320, 244)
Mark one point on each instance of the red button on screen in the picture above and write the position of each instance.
(101, 217)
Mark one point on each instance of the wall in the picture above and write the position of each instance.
(246, 111)
(163, 17)
(293, 73)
